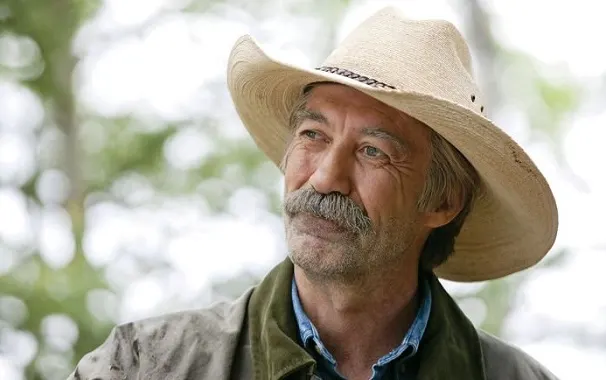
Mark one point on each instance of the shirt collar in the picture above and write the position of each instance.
(310, 337)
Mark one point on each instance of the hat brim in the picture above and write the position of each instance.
(513, 223)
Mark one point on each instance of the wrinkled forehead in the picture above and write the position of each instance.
(398, 117)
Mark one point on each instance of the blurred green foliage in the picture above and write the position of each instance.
(45, 31)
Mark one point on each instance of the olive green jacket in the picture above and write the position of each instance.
(255, 338)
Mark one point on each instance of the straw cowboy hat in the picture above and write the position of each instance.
(422, 68)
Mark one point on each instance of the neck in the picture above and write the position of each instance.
(361, 322)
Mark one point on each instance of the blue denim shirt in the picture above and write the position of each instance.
(327, 365)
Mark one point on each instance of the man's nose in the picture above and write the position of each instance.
(333, 173)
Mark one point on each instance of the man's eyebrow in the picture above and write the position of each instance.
(307, 114)
(385, 135)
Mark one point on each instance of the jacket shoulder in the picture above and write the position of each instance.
(504, 361)
(190, 344)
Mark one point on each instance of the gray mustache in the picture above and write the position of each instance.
(334, 206)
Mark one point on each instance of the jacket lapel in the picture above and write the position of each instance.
(275, 350)
(450, 348)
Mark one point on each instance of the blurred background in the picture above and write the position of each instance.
(129, 188)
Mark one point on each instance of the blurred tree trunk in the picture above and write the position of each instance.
(481, 38)
(52, 25)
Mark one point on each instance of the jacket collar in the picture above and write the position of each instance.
(275, 350)
(450, 348)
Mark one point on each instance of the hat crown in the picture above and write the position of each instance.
(427, 56)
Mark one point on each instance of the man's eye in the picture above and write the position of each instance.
(310, 134)
(371, 151)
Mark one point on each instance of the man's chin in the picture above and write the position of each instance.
(318, 253)
(334, 266)
(313, 245)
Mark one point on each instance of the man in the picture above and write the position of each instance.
(393, 177)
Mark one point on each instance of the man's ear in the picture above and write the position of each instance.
(444, 214)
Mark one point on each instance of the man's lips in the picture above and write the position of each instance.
(317, 226)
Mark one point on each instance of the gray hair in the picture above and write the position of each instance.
(450, 179)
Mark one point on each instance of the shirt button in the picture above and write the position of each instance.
(402, 368)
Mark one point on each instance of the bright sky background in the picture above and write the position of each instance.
(164, 68)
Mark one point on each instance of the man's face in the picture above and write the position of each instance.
(353, 176)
